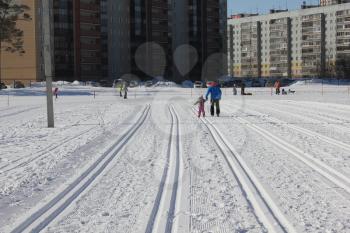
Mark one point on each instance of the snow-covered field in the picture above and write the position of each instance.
(148, 164)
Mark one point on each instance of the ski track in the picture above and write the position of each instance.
(49, 150)
(309, 122)
(269, 164)
(327, 117)
(26, 110)
(217, 203)
(322, 107)
(39, 219)
(325, 149)
(265, 208)
(311, 201)
(26, 174)
(162, 215)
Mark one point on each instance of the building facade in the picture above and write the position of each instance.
(64, 39)
(332, 2)
(26, 67)
(169, 24)
(101, 39)
(302, 43)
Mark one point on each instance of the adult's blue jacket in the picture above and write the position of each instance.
(214, 92)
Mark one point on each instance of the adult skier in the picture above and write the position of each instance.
(215, 96)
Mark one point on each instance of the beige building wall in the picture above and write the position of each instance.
(23, 67)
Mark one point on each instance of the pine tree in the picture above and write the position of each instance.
(11, 37)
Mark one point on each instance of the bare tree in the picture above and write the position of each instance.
(11, 37)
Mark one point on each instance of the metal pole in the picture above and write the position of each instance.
(49, 95)
(47, 33)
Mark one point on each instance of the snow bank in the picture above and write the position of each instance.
(322, 81)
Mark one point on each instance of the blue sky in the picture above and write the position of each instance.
(263, 6)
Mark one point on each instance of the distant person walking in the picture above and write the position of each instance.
(234, 89)
(278, 87)
(121, 89)
(125, 90)
(55, 93)
(243, 88)
(215, 96)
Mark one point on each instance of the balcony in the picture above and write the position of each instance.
(90, 33)
(90, 60)
(89, 7)
(90, 46)
(92, 20)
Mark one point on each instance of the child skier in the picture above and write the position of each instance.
(200, 103)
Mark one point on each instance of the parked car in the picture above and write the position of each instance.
(256, 83)
(18, 84)
(286, 82)
(106, 83)
(93, 83)
(148, 83)
(270, 82)
(2, 86)
(133, 83)
(198, 84)
(228, 83)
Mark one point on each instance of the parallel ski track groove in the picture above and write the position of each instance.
(265, 208)
(37, 221)
(19, 112)
(43, 153)
(331, 174)
(323, 169)
(308, 132)
(160, 195)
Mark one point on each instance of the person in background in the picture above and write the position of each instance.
(215, 96)
(234, 89)
(243, 88)
(200, 102)
(278, 87)
(55, 92)
(121, 89)
(125, 90)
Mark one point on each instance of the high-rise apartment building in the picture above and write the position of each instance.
(310, 42)
(26, 67)
(79, 40)
(332, 2)
(170, 24)
(99, 39)
(65, 39)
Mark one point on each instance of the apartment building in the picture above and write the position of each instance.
(308, 42)
(65, 39)
(98, 39)
(27, 66)
(332, 2)
(170, 24)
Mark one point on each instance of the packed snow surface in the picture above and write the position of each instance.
(149, 164)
